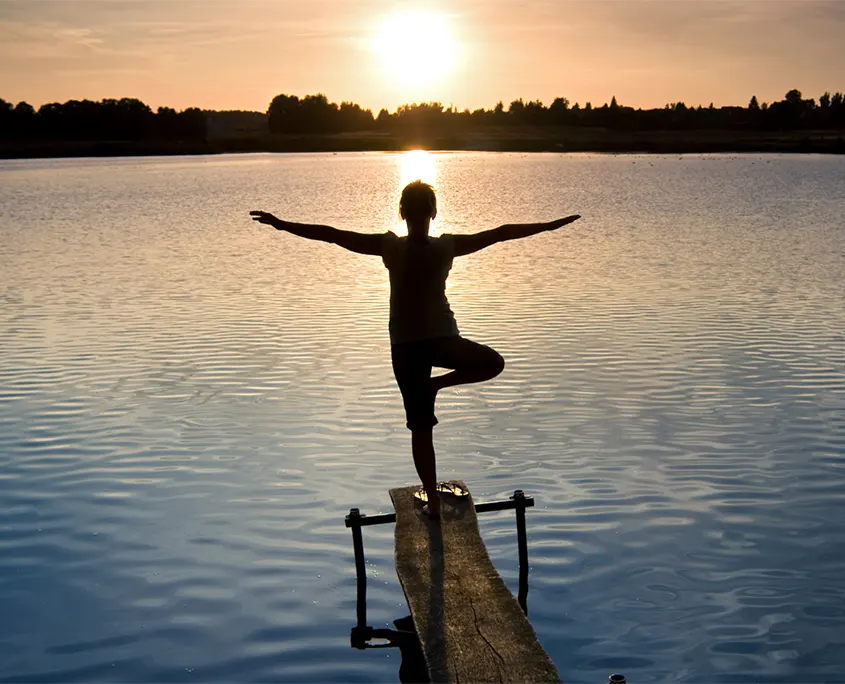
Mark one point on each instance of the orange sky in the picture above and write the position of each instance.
(238, 54)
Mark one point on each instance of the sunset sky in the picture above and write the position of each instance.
(238, 54)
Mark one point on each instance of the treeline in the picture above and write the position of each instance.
(126, 119)
(65, 126)
(288, 114)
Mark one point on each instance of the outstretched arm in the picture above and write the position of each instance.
(362, 243)
(467, 244)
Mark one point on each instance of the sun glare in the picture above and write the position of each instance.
(416, 48)
(417, 165)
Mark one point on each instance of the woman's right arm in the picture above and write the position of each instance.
(361, 243)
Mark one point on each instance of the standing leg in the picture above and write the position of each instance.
(412, 367)
(422, 446)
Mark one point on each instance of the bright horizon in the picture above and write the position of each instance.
(224, 55)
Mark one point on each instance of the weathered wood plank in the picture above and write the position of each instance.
(470, 625)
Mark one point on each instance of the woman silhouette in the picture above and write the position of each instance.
(423, 332)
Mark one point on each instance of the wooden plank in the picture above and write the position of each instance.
(470, 625)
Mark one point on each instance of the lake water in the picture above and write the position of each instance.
(190, 403)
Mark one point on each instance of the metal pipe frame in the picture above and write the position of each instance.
(361, 633)
(363, 520)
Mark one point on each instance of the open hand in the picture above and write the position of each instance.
(264, 217)
(559, 223)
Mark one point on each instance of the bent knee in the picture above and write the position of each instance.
(496, 364)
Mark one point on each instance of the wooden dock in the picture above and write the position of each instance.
(470, 626)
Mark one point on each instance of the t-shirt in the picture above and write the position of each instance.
(419, 309)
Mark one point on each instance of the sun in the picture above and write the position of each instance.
(416, 48)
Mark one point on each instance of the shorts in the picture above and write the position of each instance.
(412, 364)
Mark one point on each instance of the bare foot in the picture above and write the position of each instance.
(431, 515)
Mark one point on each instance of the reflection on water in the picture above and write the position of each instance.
(419, 165)
(190, 404)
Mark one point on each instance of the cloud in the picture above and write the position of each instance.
(47, 40)
(59, 46)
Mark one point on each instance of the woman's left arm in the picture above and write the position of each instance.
(467, 244)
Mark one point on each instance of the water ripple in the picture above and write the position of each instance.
(189, 405)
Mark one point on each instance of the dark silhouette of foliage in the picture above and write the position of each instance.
(192, 125)
(130, 121)
(315, 114)
(126, 119)
(559, 111)
(792, 113)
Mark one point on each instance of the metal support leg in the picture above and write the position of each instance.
(522, 542)
(360, 633)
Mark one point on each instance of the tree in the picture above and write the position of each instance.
(352, 118)
(753, 105)
(793, 97)
(124, 119)
(559, 104)
(282, 113)
(7, 127)
(786, 114)
(167, 122)
(516, 111)
(24, 119)
(535, 112)
(559, 110)
(837, 110)
(192, 124)
(318, 115)
(24, 109)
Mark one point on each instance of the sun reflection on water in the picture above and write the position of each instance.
(418, 165)
(415, 165)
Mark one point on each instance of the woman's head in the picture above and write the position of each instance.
(418, 202)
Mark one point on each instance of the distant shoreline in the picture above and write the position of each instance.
(537, 139)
